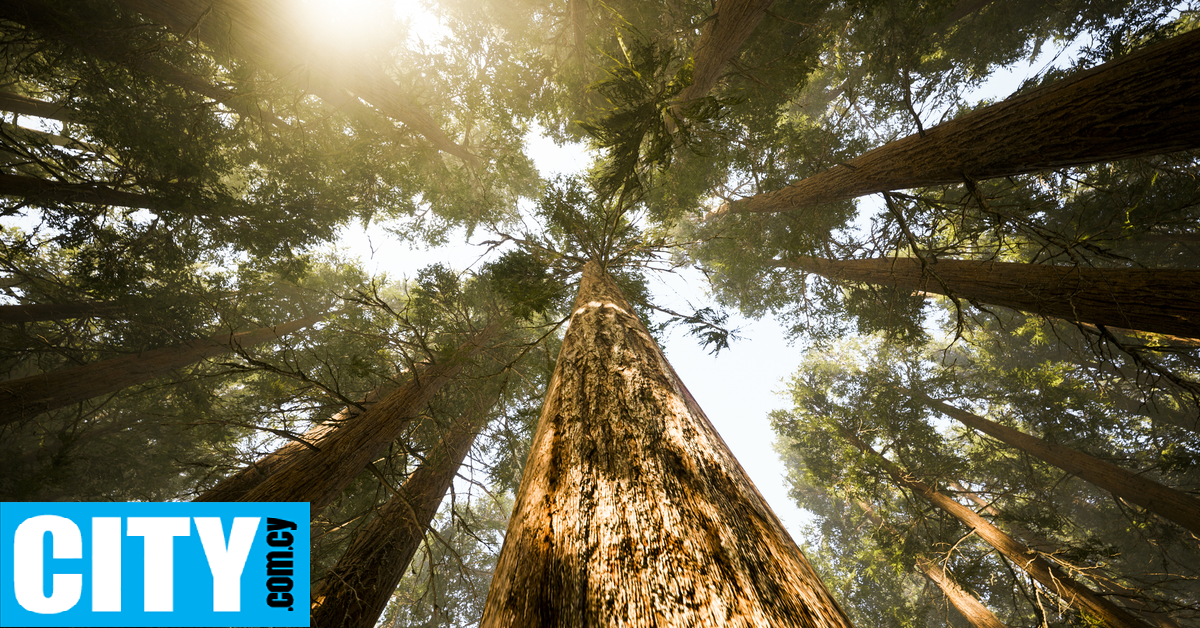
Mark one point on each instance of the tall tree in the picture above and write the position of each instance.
(631, 508)
(33, 395)
(318, 473)
(1049, 576)
(1134, 105)
(1162, 500)
(355, 592)
(1153, 300)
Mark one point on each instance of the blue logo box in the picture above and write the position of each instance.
(154, 564)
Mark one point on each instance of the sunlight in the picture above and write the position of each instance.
(350, 26)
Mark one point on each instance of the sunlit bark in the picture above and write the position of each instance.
(632, 510)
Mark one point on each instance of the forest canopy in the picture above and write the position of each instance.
(995, 302)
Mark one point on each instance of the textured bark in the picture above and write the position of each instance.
(1145, 103)
(46, 18)
(27, 106)
(30, 396)
(1049, 576)
(235, 487)
(33, 312)
(1161, 301)
(265, 33)
(632, 510)
(1161, 500)
(966, 604)
(318, 475)
(729, 26)
(357, 590)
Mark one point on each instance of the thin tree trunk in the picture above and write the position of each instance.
(267, 35)
(1161, 301)
(45, 18)
(1051, 577)
(30, 396)
(27, 106)
(966, 604)
(1107, 586)
(632, 510)
(357, 590)
(319, 474)
(1163, 501)
(1145, 103)
(235, 487)
(33, 312)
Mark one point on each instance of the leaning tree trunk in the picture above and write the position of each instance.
(1108, 587)
(267, 34)
(38, 190)
(318, 474)
(1163, 501)
(30, 396)
(357, 590)
(235, 487)
(33, 312)
(632, 510)
(1145, 103)
(966, 604)
(1049, 576)
(1161, 301)
(729, 26)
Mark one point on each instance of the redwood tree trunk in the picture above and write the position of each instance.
(235, 487)
(319, 475)
(357, 590)
(1145, 103)
(632, 510)
(30, 396)
(1161, 301)
(1107, 586)
(37, 189)
(266, 33)
(1049, 576)
(1161, 500)
(729, 26)
(966, 604)
(33, 312)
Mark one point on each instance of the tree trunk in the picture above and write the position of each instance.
(632, 510)
(38, 190)
(33, 312)
(1161, 500)
(266, 34)
(1145, 103)
(27, 106)
(1050, 577)
(319, 474)
(1161, 301)
(46, 18)
(235, 487)
(30, 396)
(1107, 586)
(357, 590)
(966, 604)
(729, 26)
